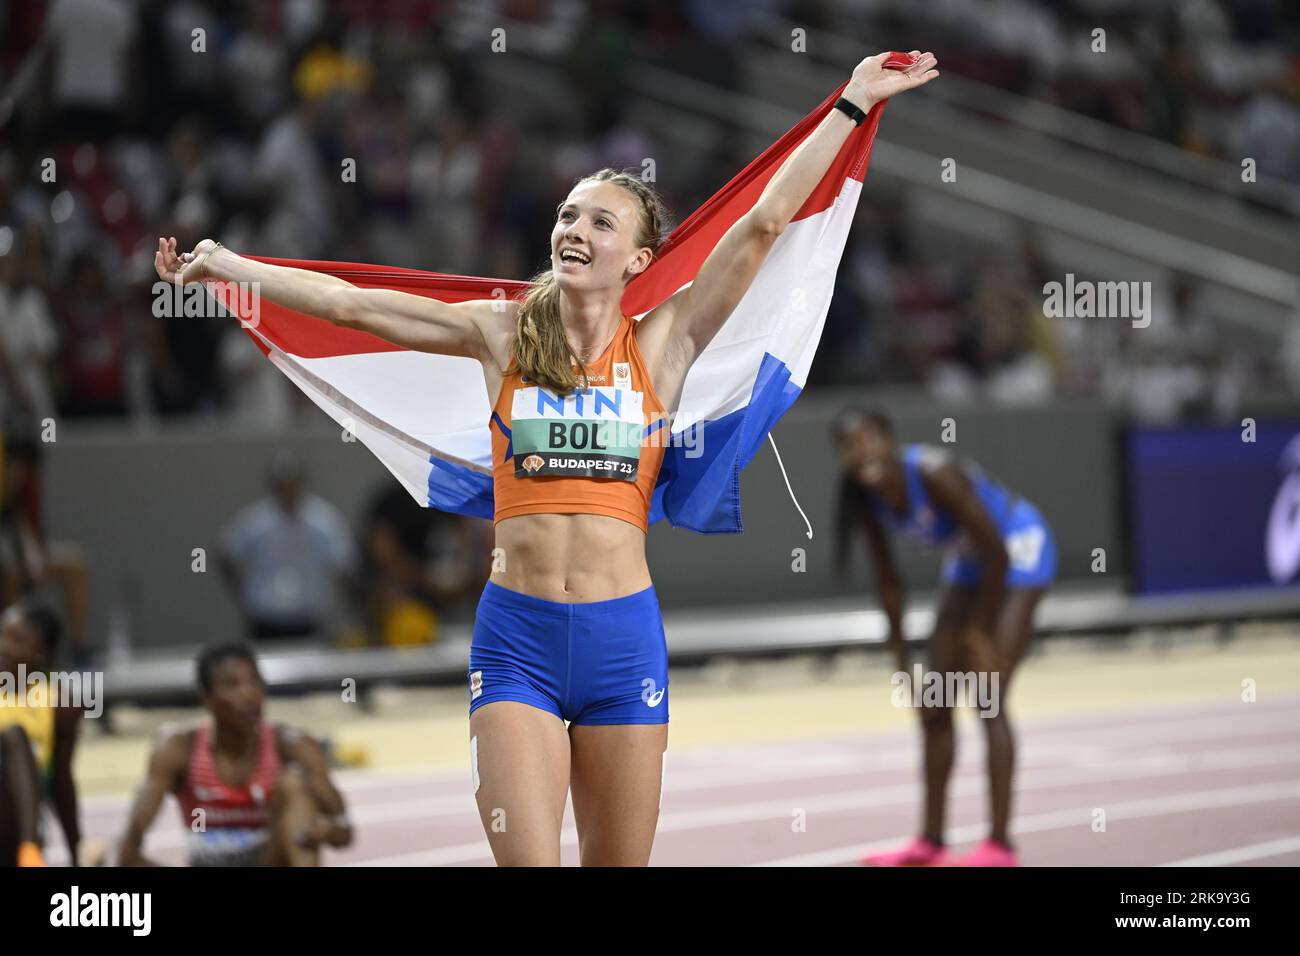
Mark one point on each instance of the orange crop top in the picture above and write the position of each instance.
(594, 451)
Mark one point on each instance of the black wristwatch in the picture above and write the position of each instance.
(851, 111)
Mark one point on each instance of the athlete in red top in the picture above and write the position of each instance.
(251, 793)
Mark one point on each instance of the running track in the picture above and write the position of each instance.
(1210, 785)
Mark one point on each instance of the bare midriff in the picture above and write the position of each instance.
(570, 558)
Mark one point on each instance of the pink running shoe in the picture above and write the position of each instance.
(990, 853)
(920, 852)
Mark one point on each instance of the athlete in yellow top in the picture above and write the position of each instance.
(37, 738)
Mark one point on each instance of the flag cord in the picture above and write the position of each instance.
(787, 484)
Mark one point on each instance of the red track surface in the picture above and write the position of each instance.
(1174, 783)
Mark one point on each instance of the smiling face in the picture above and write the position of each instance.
(598, 222)
(867, 453)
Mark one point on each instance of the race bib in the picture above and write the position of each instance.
(592, 433)
(218, 846)
(1025, 548)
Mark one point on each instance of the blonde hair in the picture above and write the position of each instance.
(541, 350)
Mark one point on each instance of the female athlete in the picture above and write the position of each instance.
(568, 628)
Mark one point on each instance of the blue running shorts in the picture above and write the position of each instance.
(1030, 548)
(603, 662)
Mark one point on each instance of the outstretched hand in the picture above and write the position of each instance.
(182, 268)
(871, 82)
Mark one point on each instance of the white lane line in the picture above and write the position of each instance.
(101, 811)
(773, 810)
(839, 761)
(1130, 730)
(1074, 817)
(1242, 854)
(444, 856)
(730, 814)
(1082, 769)
(847, 751)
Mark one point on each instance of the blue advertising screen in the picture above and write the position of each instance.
(1209, 510)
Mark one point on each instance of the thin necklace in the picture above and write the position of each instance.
(584, 359)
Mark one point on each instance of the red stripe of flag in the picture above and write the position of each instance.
(679, 259)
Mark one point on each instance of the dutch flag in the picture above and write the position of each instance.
(425, 416)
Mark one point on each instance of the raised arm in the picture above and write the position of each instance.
(472, 329)
(692, 317)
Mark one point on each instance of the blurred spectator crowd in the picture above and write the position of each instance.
(125, 120)
(973, 326)
(1219, 77)
(1215, 77)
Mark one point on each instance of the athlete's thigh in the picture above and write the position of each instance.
(617, 782)
(520, 764)
(1015, 626)
(946, 648)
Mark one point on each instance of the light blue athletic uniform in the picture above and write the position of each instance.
(1031, 549)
